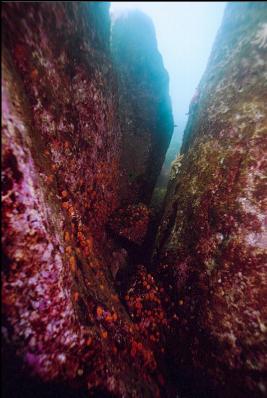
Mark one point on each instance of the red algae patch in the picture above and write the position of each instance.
(131, 222)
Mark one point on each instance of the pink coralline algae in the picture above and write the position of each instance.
(35, 295)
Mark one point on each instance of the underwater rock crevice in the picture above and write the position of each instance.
(85, 309)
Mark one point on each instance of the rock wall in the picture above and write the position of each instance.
(211, 246)
(145, 110)
(63, 322)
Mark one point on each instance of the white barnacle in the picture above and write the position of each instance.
(261, 36)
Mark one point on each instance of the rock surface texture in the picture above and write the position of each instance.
(83, 311)
(144, 106)
(211, 246)
(62, 318)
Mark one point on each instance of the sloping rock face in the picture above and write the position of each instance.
(212, 240)
(144, 106)
(62, 318)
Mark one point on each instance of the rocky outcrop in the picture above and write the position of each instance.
(63, 322)
(212, 240)
(145, 111)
